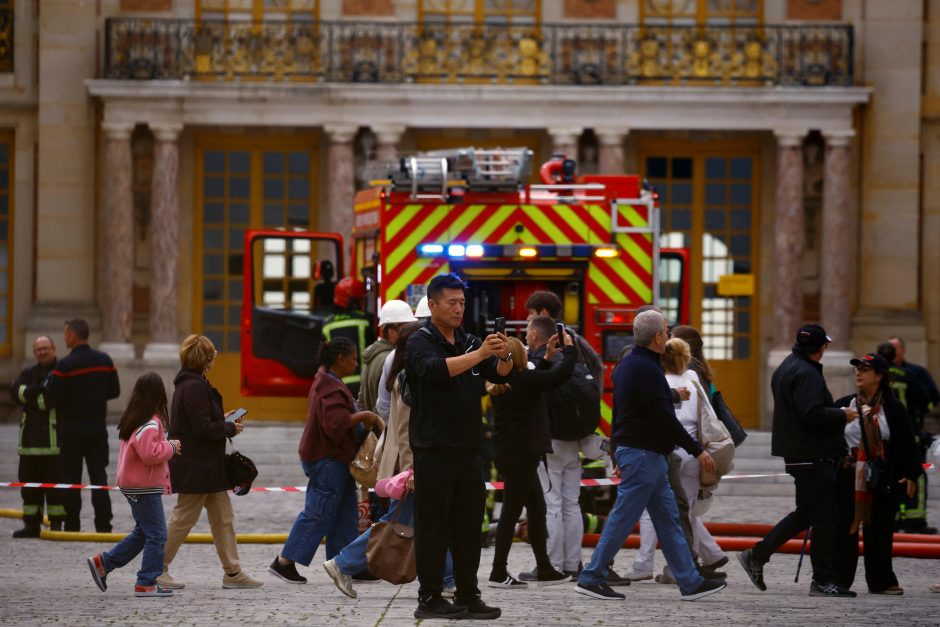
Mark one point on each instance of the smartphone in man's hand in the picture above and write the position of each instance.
(499, 325)
(560, 330)
(235, 415)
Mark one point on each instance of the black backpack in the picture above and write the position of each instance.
(574, 407)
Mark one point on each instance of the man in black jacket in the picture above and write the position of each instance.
(808, 432)
(445, 369)
(38, 442)
(645, 431)
(82, 384)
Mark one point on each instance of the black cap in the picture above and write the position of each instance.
(872, 360)
(812, 337)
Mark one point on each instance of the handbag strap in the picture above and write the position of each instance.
(404, 495)
(861, 426)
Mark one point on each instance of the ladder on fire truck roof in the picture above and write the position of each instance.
(430, 175)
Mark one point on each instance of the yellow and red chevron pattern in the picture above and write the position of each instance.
(626, 279)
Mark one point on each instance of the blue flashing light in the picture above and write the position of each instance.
(456, 250)
(431, 249)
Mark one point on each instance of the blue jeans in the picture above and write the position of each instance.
(352, 559)
(330, 509)
(149, 536)
(643, 484)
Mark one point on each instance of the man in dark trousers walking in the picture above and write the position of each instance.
(808, 432)
(82, 384)
(445, 369)
(38, 442)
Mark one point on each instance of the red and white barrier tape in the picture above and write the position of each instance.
(495, 485)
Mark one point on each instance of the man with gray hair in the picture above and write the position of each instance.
(645, 430)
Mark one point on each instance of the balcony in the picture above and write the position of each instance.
(552, 54)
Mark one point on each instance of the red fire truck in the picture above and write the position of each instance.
(593, 240)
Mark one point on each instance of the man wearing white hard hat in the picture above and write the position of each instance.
(393, 314)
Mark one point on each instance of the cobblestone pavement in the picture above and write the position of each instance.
(45, 582)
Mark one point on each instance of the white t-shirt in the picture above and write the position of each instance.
(687, 411)
(853, 430)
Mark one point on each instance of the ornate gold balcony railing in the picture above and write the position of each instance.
(6, 38)
(559, 54)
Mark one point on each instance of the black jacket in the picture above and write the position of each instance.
(646, 416)
(521, 419)
(39, 432)
(446, 413)
(198, 422)
(82, 384)
(807, 424)
(902, 455)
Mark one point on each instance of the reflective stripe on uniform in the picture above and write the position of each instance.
(41, 402)
(21, 393)
(30, 510)
(55, 510)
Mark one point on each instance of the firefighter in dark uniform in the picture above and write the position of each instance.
(81, 386)
(38, 442)
(912, 511)
(350, 321)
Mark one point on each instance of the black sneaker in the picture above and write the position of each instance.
(709, 586)
(529, 575)
(551, 577)
(753, 568)
(477, 609)
(613, 579)
(286, 573)
(599, 591)
(437, 606)
(508, 582)
(715, 565)
(365, 576)
(711, 574)
(830, 590)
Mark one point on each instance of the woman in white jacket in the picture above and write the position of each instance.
(675, 360)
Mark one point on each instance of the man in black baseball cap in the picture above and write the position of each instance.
(808, 433)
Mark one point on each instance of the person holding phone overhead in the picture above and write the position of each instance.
(522, 439)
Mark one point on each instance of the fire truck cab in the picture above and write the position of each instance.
(593, 240)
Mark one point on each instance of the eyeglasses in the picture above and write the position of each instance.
(861, 369)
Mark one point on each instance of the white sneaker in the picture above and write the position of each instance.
(632, 575)
(342, 580)
(240, 581)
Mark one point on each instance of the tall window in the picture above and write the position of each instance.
(291, 10)
(6, 36)
(480, 11)
(710, 12)
(6, 240)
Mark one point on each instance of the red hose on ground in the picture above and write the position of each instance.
(919, 550)
(760, 530)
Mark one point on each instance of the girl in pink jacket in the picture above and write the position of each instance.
(144, 477)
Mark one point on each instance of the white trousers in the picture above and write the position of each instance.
(562, 486)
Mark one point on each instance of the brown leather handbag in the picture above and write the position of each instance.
(391, 550)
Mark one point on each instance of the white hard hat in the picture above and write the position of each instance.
(422, 310)
(394, 312)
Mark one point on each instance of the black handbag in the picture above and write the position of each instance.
(738, 434)
(241, 472)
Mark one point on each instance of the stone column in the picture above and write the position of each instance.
(164, 246)
(387, 137)
(835, 243)
(342, 181)
(565, 141)
(610, 150)
(788, 234)
(117, 289)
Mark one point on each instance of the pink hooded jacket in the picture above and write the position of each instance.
(142, 461)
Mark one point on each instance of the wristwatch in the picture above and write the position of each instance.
(508, 357)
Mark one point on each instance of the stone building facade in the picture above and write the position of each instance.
(793, 141)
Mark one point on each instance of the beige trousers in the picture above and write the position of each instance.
(218, 508)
